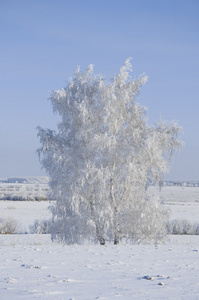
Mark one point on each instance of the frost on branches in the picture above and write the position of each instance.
(102, 158)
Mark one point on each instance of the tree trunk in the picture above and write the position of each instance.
(100, 238)
(116, 240)
(116, 218)
(117, 227)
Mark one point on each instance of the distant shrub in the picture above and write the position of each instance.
(30, 197)
(182, 227)
(41, 227)
(8, 226)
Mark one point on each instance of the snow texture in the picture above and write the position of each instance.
(41, 270)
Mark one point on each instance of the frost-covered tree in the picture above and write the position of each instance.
(102, 159)
(69, 156)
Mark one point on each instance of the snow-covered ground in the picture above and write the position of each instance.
(32, 267)
(37, 269)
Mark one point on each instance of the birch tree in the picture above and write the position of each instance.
(136, 154)
(69, 158)
(102, 159)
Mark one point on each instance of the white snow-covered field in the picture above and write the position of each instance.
(32, 267)
(183, 202)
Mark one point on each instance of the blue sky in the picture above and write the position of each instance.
(43, 41)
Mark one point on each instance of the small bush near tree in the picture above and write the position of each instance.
(8, 226)
(41, 227)
(182, 227)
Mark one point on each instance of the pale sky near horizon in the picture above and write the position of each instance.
(43, 41)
